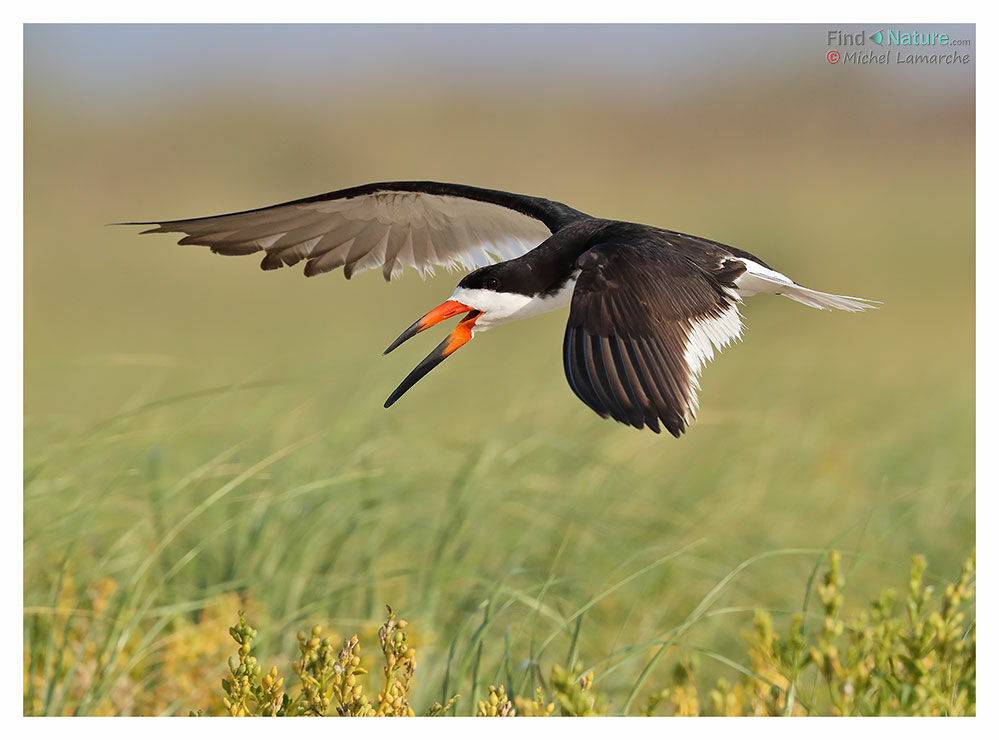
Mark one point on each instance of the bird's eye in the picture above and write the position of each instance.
(491, 283)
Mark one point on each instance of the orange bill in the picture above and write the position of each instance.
(444, 311)
(461, 334)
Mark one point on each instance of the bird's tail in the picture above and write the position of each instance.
(823, 301)
(760, 279)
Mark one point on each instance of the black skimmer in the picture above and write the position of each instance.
(648, 307)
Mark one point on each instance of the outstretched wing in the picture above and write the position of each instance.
(389, 225)
(644, 319)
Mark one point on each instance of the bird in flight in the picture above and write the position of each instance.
(648, 307)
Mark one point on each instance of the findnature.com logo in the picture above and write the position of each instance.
(914, 47)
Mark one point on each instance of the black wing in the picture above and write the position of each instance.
(644, 319)
(388, 225)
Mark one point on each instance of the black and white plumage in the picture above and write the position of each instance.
(648, 306)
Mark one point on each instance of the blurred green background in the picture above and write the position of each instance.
(197, 429)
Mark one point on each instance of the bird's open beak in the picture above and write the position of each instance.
(461, 334)
(444, 311)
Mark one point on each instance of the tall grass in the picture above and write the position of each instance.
(201, 436)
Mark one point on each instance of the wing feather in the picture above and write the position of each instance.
(632, 384)
(644, 319)
(576, 370)
(389, 225)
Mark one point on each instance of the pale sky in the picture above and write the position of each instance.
(141, 65)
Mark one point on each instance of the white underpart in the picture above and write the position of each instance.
(760, 279)
(501, 308)
(705, 336)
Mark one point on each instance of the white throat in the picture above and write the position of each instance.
(501, 308)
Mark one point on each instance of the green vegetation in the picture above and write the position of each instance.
(875, 664)
(202, 437)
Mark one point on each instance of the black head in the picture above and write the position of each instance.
(492, 277)
(524, 276)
